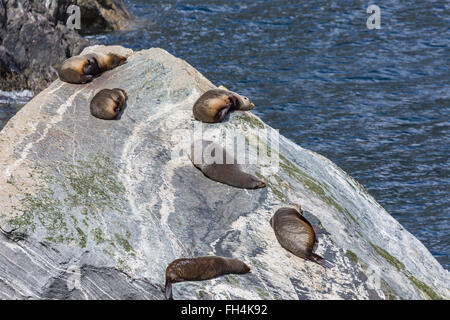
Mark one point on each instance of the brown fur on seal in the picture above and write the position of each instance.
(214, 104)
(230, 174)
(296, 234)
(201, 268)
(82, 69)
(108, 103)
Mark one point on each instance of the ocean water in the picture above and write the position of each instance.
(376, 102)
(11, 102)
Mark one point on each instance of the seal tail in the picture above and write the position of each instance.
(168, 291)
(319, 260)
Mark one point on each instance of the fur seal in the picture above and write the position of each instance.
(221, 171)
(214, 104)
(296, 234)
(82, 69)
(108, 103)
(201, 268)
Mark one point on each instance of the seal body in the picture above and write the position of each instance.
(82, 69)
(214, 104)
(108, 103)
(211, 159)
(296, 234)
(201, 268)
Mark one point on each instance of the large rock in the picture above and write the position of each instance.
(34, 39)
(99, 208)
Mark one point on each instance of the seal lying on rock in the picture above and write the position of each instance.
(203, 156)
(108, 103)
(82, 69)
(296, 234)
(201, 268)
(214, 104)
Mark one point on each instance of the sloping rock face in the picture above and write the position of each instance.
(98, 209)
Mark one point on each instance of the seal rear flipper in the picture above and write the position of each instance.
(168, 291)
(319, 260)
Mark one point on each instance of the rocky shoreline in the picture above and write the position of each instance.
(34, 39)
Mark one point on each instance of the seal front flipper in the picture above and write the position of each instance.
(86, 78)
(222, 113)
(318, 259)
(168, 290)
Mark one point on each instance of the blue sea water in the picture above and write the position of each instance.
(376, 102)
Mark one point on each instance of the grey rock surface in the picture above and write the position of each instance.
(98, 209)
